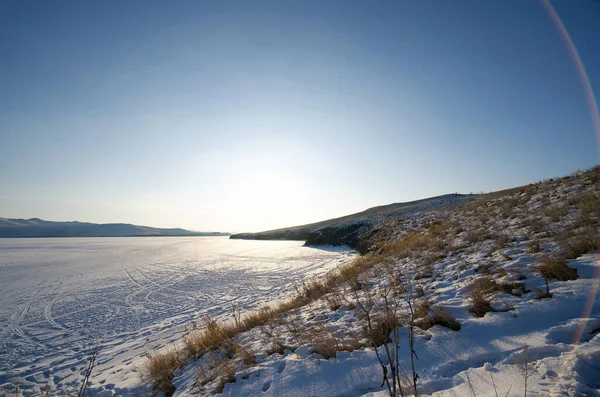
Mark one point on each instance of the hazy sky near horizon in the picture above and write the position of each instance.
(252, 115)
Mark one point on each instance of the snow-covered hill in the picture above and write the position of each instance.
(492, 298)
(350, 230)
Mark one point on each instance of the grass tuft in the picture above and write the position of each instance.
(160, 366)
(576, 246)
(556, 268)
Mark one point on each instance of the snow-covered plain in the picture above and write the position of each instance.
(61, 297)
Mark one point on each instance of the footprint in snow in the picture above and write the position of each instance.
(266, 386)
(280, 367)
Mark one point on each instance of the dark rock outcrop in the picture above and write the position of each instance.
(348, 235)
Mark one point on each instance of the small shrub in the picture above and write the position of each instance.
(479, 305)
(589, 204)
(575, 247)
(334, 300)
(439, 316)
(277, 346)
(534, 247)
(484, 285)
(326, 348)
(555, 212)
(554, 268)
(422, 308)
(160, 366)
(424, 272)
(329, 346)
(419, 292)
(227, 377)
(505, 257)
(206, 374)
(247, 356)
(502, 241)
(515, 289)
(292, 325)
(535, 224)
(476, 235)
(541, 294)
(382, 325)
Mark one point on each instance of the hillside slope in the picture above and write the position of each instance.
(492, 297)
(36, 227)
(351, 229)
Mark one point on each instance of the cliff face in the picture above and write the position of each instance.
(349, 235)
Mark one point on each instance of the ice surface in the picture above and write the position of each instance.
(61, 297)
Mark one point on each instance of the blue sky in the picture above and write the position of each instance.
(245, 116)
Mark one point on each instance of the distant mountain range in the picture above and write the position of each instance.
(36, 227)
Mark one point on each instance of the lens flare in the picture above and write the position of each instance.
(593, 107)
(583, 76)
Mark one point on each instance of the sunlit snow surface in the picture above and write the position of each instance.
(60, 297)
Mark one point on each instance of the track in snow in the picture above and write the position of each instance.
(128, 295)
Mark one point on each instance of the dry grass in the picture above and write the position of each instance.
(420, 242)
(556, 212)
(424, 245)
(535, 246)
(382, 324)
(542, 294)
(160, 366)
(487, 286)
(247, 356)
(425, 272)
(473, 236)
(556, 268)
(576, 246)
(501, 240)
(421, 309)
(478, 292)
(219, 336)
(335, 300)
(215, 336)
(479, 304)
(437, 315)
(535, 224)
(328, 345)
(227, 377)
(223, 370)
(277, 346)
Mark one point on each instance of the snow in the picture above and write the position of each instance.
(482, 347)
(140, 294)
(556, 339)
(61, 297)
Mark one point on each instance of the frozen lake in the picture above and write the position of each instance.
(61, 296)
